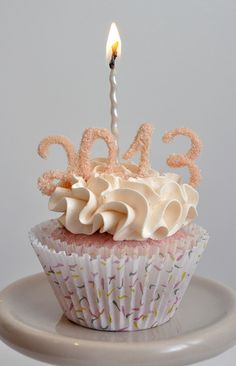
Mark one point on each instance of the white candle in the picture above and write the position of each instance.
(114, 111)
(113, 49)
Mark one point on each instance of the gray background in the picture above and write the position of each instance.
(177, 69)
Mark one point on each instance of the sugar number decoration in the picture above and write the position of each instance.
(51, 179)
(141, 144)
(78, 162)
(188, 159)
(88, 138)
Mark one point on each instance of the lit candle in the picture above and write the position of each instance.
(113, 49)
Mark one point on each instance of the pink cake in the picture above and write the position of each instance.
(181, 240)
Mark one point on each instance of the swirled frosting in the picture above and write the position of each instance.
(128, 207)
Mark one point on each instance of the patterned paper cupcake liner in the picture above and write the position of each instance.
(118, 291)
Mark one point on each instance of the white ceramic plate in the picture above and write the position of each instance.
(32, 323)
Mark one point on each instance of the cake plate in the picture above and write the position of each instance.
(32, 323)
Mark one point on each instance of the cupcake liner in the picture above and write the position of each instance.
(108, 289)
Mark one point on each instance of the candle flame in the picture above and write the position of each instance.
(113, 46)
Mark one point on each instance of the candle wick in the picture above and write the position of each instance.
(113, 60)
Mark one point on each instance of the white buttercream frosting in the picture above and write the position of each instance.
(128, 208)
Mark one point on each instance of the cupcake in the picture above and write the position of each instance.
(123, 250)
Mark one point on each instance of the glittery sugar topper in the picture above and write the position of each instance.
(79, 163)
